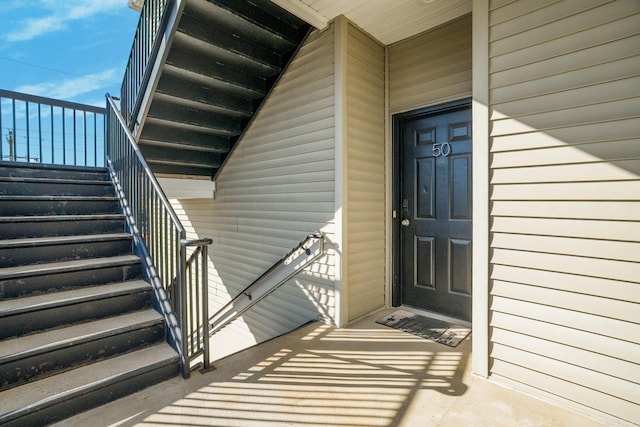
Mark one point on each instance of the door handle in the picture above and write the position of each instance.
(405, 222)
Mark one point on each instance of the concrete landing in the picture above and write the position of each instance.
(362, 376)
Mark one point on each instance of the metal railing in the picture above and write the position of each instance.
(180, 284)
(146, 42)
(303, 254)
(197, 296)
(35, 129)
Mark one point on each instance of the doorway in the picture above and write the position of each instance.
(433, 209)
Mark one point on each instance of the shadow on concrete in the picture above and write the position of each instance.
(318, 375)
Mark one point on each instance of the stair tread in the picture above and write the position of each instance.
(53, 299)
(53, 240)
(49, 167)
(44, 218)
(23, 346)
(64, 266)
(41, 198)
(85, 378)
(37, 180)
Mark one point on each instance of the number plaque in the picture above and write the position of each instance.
(441, 149)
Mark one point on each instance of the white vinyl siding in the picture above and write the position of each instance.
(365, 86)
(564, 89)
(431, 68)
(277, 187)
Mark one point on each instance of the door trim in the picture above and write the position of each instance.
(397, 121)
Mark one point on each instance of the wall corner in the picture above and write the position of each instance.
(341, 158)
(481, 202)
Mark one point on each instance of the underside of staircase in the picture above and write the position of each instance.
(77, 327)
(224, 58)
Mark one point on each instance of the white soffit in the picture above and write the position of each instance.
(175, 188)
(389, 21)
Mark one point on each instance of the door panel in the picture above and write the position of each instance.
(460, 187)
(460, 264)
(425, 270)
(435, 192)
(425, 188)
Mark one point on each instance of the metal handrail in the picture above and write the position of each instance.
(146, 44)
(160, 239)
(51, 131)
(279, 273)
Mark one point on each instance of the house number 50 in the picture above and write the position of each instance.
(443, 149)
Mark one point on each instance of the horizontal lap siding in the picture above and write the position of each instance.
(365, 174)
(431, 68)
(277, 187)
(565, 200)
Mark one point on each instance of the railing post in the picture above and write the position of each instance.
(181, 292)
(206, 363)
(201, 297)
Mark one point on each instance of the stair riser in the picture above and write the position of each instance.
(11, 256)
(31, 368)
(27, 229)
(13, 288)
(55, 189)
(27, 322)
(59, 410)
(53, 173)
(58, 207)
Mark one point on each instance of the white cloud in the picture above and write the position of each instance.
(60, 13)
(31, 28)
(92, 7)
(10, 5)
(70, 88)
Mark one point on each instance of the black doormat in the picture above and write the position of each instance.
(425, 327)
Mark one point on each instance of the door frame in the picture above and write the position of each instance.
(397, 121)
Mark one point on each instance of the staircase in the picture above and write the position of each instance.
(223, 58)
(77, 327)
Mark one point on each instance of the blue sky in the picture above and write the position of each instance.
(75, 50)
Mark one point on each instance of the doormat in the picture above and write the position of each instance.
(425, 327)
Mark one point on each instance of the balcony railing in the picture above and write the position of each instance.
(180, 284)
(35, 129)
(146, 43)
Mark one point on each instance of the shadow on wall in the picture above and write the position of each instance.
(239, 255)
(565, 237)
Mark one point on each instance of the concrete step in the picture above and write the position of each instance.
(25, 315)
(59, 396)
(38, 278)
(30, 357)
(38, 250)
(58, 205)
(37, 170)
(20, 186)
(18, 227)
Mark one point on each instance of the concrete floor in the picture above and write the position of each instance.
(364, 375)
